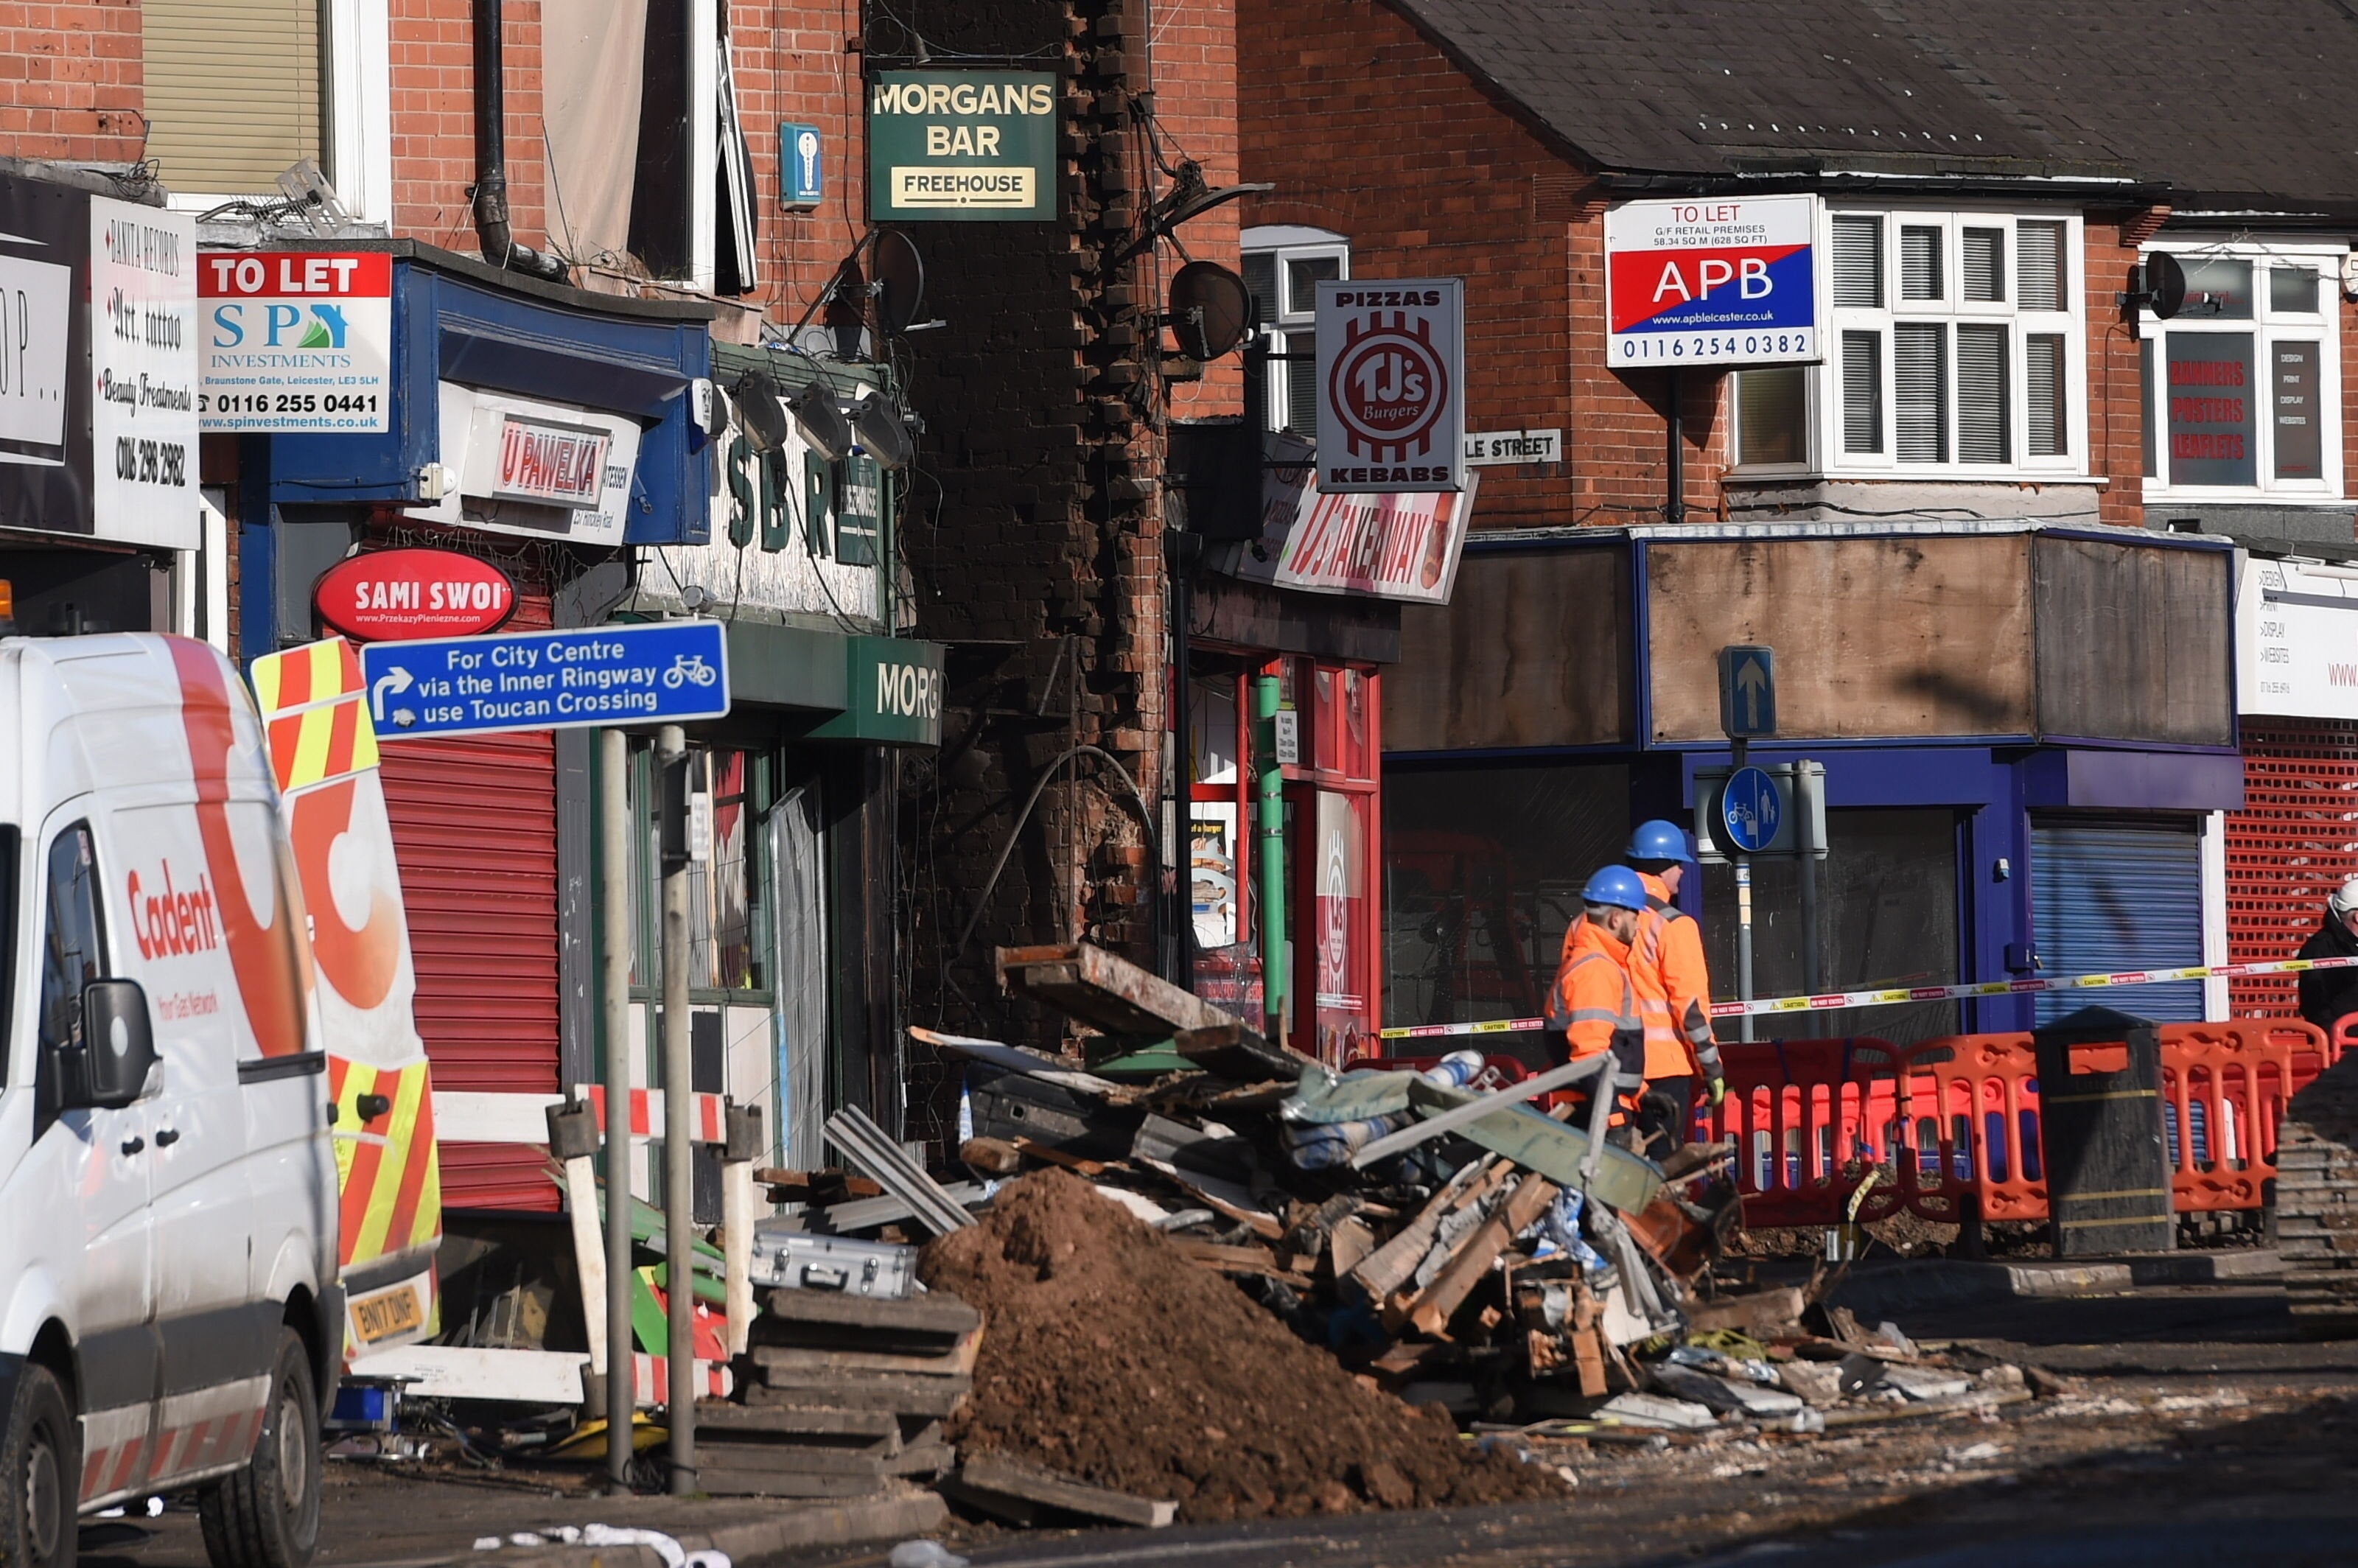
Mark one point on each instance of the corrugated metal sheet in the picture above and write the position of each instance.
(2116, 895)
(2294, 842)
(474, 828)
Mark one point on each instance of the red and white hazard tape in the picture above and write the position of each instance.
(1894, 996)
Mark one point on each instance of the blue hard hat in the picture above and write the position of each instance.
(1659, 840)
(1616, 885)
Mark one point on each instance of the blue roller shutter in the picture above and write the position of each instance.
(2108, 895)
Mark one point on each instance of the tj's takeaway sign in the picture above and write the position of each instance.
(962, 145)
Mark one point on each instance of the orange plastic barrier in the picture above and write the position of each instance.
(1810, 1119)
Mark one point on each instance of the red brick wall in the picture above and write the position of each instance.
(1194, 54)
(71, 82)
(433, 84)
(795, 62)
(2115, 439)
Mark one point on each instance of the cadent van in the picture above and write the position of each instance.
(169, 1315)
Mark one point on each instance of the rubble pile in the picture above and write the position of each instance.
(1111, 1357)
(1217, 1277)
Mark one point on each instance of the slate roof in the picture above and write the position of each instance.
(2241, 99)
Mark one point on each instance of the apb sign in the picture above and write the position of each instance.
(1712, 281)
(1391, 385)
(296, 340)
(962, 145)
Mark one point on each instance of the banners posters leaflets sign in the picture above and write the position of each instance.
(2297, 640)
(540, 469)
(1403, 545)
(1391, 385)
(143, 350)
(296, 340)
(962, 145)
(660, 672)
(1713, 281)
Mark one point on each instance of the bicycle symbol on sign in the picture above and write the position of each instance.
(689, 669)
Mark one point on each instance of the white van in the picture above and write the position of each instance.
(169, 1314)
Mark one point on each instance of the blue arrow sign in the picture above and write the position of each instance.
(662, 671)
(1750, 807)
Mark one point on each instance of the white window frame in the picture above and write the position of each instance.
(2265, 325)
(1827, 459)
(356, 79)
(1294, 323)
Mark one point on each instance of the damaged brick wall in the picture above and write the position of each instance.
(1034, 539)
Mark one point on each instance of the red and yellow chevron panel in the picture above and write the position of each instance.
(316, 672)
(313, 714)
(387, 1168)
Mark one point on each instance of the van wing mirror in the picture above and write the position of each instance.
(118, 1047)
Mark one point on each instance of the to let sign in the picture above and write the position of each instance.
(962, 145)
(394, 595)
(1391, 385)
(296, 340)
(1712, 281)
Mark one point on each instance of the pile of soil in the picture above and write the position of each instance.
(1107, 1356)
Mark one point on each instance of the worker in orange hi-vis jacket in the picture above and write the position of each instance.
(1666, 967)
(1594, 1006)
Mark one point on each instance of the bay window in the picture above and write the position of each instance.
(2242, 387)
(1954, 345)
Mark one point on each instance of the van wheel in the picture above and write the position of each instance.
(267, 1515)
(39, 1459)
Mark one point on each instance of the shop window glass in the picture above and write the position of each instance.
(1772, 409)
(2049, 432)
(2293, 290)
(722, 956)
(1483, 869)
(1858, 262)
(1886, 916)
(1984, 266)
(2039, 266)
(2212, 439)
(1919, 263)
(1981, 401)
(1919, 380)
(2218, 287)
(2293, 399)
(1862, 382)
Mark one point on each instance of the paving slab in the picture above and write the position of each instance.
(1930, 1282)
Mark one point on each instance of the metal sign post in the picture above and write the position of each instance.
(615, 993)
(679, 1093)
(1751, 808)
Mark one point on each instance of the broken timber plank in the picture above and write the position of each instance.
(1428, 1312)
(1232, 1051)
(1236, 1260)
(989, 1482)
(1757, 1315)
(1389, 1266)
(1034, 1148)
(937, 1313)
(720, 1416)
(1096, 988)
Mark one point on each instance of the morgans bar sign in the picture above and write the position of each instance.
(962, 145)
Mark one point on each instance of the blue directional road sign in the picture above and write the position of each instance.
(1750, 807)
(661, 672)
(1748, 691)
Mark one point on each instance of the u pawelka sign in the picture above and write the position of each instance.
(962, 145)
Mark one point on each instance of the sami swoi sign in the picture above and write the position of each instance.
(296, 340)
(661, 672)
(1391, 380)
(394, 595)
(1712, 281)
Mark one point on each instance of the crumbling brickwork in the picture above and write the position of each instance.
(70, 81)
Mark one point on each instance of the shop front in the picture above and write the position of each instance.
(101, 525)
(2025, 732)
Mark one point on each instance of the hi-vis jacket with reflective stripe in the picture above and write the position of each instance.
(1594, 1005)
(1666, 965)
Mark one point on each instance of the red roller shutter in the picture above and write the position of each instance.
(474, 829)
(2294, 842)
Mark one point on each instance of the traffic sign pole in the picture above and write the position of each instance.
(1743, 910)
(680, 1094)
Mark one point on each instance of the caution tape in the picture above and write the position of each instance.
(1824, 1001)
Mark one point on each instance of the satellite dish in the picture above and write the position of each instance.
(2164, 285)
(899, 281)
(824, 426)
(1211, 309)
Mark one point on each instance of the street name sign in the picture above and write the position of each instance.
(1712, 281)
(1748, 691)
(1750, 809)
(1391, 385)
(659, 672)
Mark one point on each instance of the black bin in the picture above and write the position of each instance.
(2100, 1127)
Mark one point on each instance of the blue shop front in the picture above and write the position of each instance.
(583, 445)
(2027, 732)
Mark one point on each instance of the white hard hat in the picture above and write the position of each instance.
(2344, 899)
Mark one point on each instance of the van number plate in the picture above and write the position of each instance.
(397, 1311)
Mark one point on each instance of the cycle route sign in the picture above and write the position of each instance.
(657, 671)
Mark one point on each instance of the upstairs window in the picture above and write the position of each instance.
(1953, 349)
(1284, 266)
(2242, 388)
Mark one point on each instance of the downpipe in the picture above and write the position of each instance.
(492, 231)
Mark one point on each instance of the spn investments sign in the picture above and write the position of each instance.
(1391, 377)
(296, 340)
(962, 145)
(1712, 281)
